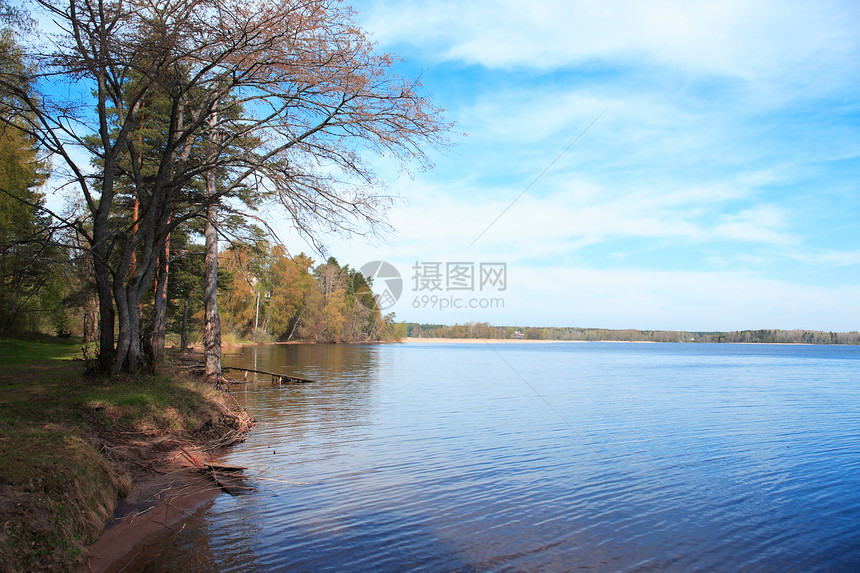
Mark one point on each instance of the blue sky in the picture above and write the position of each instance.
(718, 190)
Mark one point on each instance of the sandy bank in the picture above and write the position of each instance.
(157, 506)
(166, 488)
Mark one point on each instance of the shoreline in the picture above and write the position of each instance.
(523, 341)
(485, 341)
(196, 349)
(171, 491)
(90, 472)
(152, 510)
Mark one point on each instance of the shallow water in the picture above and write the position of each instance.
(556, 457)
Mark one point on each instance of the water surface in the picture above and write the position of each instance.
(549, 457)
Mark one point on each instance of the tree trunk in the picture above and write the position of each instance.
(107, 316)
(183, 340)
(92, 316)
(135, 346)
(159, 311)
(211, 319)
(257, 317)
(123, 322)
(159, 320)
(86, 329)
(136, 215)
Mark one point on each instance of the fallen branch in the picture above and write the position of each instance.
(208, 469)
(279, 378)
(224, 467)
(214, 477)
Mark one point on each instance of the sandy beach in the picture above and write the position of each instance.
(485, 341)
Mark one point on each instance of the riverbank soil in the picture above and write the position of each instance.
(72, 447)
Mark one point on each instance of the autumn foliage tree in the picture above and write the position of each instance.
(296, 76)
(272, 294)
(293, 293)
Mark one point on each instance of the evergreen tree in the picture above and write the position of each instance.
(26, 245)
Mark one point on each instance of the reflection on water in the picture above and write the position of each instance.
(336, 362)
(632, 457)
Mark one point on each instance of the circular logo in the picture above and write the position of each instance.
(384, 275)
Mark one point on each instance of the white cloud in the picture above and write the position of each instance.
(631, 134)
(755, 40)
(581, 213)
(630, 298)
(760, 224)
(831, 258)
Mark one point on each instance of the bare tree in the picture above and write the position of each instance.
(297, 78)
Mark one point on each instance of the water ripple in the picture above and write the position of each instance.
(439, 458)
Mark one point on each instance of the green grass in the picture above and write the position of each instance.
(45, 383)
(37, 349)
(59, 489)
(149, 403)
(56, 489)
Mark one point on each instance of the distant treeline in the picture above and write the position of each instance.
(485, 330)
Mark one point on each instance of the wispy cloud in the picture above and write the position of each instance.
(752, 40)
(585, 213)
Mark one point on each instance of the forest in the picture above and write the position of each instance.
(265, 295)
(174, 132)
(271, 296)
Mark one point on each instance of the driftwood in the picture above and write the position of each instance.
(276, 378)
(208, 469)
(223, 467)
(193, 363)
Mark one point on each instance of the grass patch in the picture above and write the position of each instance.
(151, 403)
(60, 474)
(38, 348)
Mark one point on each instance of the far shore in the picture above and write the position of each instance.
(487, 340)
(198, 348)
(524, 341)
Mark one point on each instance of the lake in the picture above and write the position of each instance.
(540, 457)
